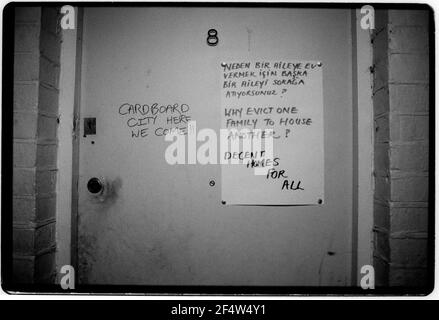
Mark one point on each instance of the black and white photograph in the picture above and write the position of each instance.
(203, 148)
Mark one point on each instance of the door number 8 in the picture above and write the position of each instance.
(212, 37)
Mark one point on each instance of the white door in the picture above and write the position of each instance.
(165, 225)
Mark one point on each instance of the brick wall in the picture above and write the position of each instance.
(401, 116)
(36, 73)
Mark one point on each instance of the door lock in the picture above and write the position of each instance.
(95, 186)
(89, 126)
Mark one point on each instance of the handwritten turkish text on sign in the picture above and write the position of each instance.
(286, 97)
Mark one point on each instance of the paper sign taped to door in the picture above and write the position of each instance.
(272, 118)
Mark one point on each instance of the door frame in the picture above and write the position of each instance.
(363, 141)
(68, 144)
(69, 135)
